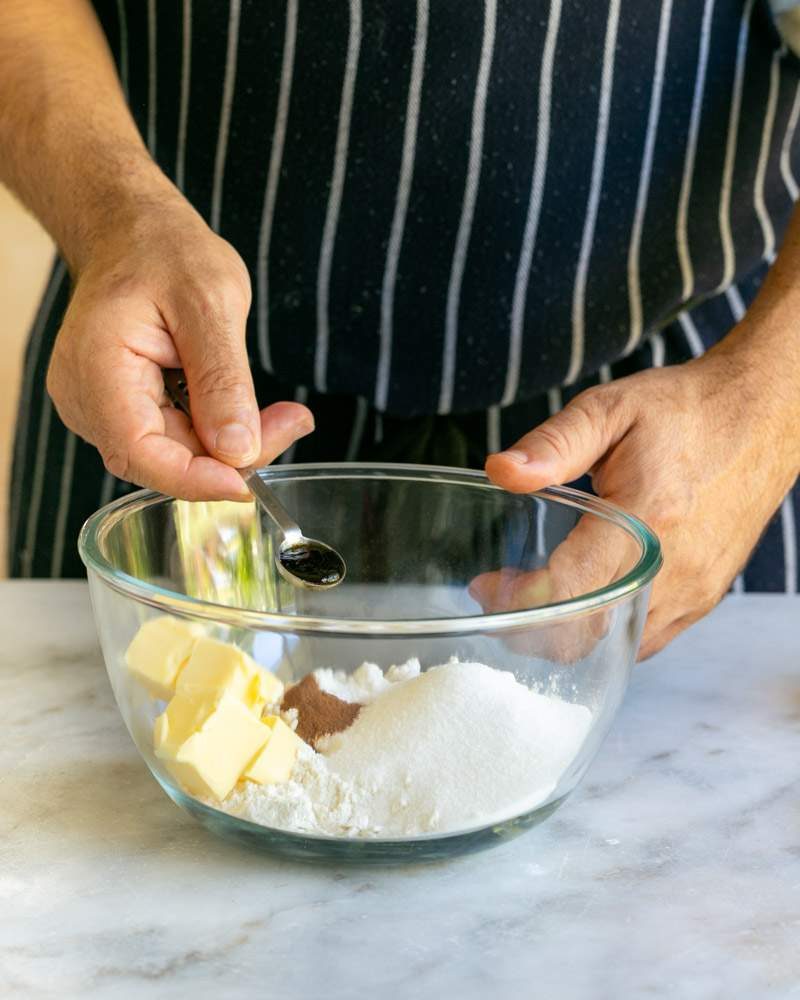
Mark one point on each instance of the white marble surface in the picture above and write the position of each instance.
(673, 871)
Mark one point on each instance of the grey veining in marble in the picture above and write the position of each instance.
(673, 871)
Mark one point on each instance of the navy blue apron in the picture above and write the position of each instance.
(456, 215)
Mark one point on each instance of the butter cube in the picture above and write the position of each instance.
(271, 689)
(275, 761)
(159, 650)
(184, 715)
(207, 743)
(217, 668)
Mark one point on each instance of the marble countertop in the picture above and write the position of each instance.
(673, 871)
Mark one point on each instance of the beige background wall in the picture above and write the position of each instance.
(25, 256)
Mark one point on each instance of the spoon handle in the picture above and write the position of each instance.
(269, 503)
(178, 392)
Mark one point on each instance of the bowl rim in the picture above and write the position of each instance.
(183, 605)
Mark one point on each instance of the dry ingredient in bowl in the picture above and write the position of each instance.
(319, 713)
(367, 754)
(458, 746)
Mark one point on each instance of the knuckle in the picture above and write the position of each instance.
(671, 511)
(596, 397)
(66, 400)
(223, 298)
(116, 461)
(556, 437)
(594, 407)
(708, 601)
(119, 283)
(52, 380)
(218, 377)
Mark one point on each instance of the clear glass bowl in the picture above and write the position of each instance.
(551, 586)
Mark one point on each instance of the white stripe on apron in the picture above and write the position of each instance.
(228, 90)
(634, 249)
(493, 430)
(186, 76)
(62, 511)
(357, 430)
(523, 274)
(728, 250)
(682, 222)
(335, 196)
(467, 208)
(598, 166)
(152, 76)
(786, 148)
(789, 545)
(37, 488)
(271, 190)
(123, 46)
(766, 144)
(401, 206)
(24, 418)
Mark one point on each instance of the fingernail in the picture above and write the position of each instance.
(520, 457)
(235, 441)
(304, 426)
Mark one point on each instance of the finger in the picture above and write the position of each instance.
(178, 427)
(281, 425)
(209, 331)
(593, 555)
(663, 626)
(511, 590)
(210, 337)
(134, 435)
(653, 642)
(564, 447)
(166, 465)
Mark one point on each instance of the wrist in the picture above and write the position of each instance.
(761, 375)
(116, 207)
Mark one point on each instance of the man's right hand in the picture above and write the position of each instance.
(161, 290)
(154, 286)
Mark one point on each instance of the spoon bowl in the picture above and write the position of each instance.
(307, 562)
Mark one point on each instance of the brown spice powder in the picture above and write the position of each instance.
(319, 713)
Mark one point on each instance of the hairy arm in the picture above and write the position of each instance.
(767, 341)
(69, 147)
(154, 286)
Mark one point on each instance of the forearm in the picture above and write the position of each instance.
(69, 147)
(763, 350)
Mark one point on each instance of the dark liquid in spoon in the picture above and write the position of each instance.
(313, 564)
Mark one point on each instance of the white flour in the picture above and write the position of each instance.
(458, 746)
(367, 682)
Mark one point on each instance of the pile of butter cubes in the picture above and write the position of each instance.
(213, 732)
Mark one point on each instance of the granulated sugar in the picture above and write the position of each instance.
(458, 746)
(367, 682)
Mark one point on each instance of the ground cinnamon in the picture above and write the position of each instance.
(319, 713)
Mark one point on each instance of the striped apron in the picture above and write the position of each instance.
(456, 215)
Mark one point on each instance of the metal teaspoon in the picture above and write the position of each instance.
(304, 562)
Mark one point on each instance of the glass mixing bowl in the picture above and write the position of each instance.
(551, 587)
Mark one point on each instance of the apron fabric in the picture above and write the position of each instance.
(456, 216)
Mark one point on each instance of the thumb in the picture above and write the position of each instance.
(210, 337)
(562, 448)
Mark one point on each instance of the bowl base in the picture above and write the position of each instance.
(358, 850)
